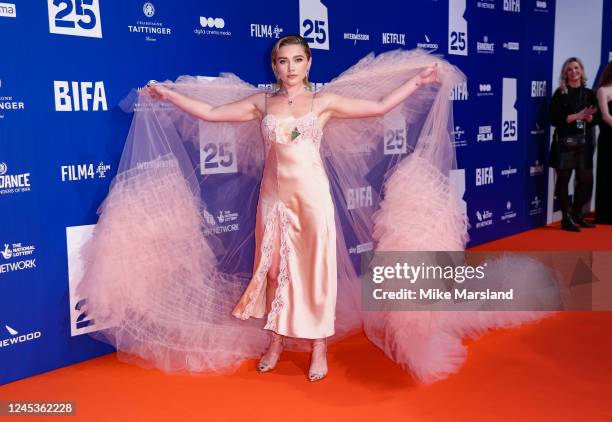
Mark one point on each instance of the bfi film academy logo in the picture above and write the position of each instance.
(76, 172)
(17, 257)
(151, 28)
(11, 337)
(212, 26)
(79, 18)
(13, 183)
(79, 96)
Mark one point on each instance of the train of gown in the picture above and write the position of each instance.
(172, 251)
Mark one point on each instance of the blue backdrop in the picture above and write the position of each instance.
(67, 63)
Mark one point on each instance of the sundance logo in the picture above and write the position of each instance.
(13, 183)
(16, 338)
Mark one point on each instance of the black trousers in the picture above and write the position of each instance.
(582, 189)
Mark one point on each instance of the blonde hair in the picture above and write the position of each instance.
(563, 76)
(290, 40)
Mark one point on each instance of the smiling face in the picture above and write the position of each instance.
(291, 65)
(573, 72)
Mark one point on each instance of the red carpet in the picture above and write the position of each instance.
(559, 369)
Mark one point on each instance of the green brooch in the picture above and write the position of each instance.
(295, 133)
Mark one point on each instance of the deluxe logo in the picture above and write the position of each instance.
(215, 25)
(512, 6)
(13, 183)
(8, 10)
(485, 218)
(314, 24)
(509, 214)
(538, 89)
(484, 176)
(149, 28)
(488, 4)
(79, 96)
(265, 31)
(15, 250)
(359, 197)
(356, 36)
(16, 338)
(459, 92)
(457, 28)
(485, 134)
(485, 90)
(221, 224)
(509, 111)
(393, 38)
(510, 171)
(79, 18)
(459, 139)
(536, 206)
(428, 44)
(484, 46)
(511, 45)
(537, 169)
(540, 48)
(76, 172)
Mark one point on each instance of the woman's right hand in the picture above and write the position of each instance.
(157, 91)
(586, 112)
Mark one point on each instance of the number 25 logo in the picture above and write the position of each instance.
(80, 18)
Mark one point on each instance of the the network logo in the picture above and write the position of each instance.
(80, 18)
(484, 218)
(225, 222)
(8, 10)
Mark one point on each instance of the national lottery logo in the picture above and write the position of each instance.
(79, 18)
(457, 28)
(19, 257)
(314, 24)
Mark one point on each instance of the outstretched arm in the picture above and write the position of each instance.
(345, 107)
(239, 111)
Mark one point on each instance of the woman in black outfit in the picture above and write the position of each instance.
(603, 197)
(572, 111)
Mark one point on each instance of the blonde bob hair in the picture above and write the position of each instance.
(563, 77)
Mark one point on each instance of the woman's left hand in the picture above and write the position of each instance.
(429, 74)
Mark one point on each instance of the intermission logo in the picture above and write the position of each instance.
(459, 139)
(510, 171)
(148, 27)
(8, 10)
(75, 172)
(259, 30)
(356, 36)
(13, 183)
(509, 111)
(79, 96)
(485, 134)
(225, 221)
(485, 90)
(459, 92)
(212, 26)
(540, 48)
(361, 248)
(8, 103)
(512, 45)
(393, 38)
(536, 169)
(537, 206)
(484, 46)
(541, 6)
(484, 176)
(538, 89)
(428, 44)
(512, 6)
(509, 214)
(16, 337)
(488, 4)
(359, 197)
(79, 18)
(314, 24)
(457, 28)
(484, 218)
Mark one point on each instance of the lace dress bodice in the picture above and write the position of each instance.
(291, 130)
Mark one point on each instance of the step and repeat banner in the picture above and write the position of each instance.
(66, 64)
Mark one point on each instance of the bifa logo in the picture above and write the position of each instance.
(393, 38)
(485, 90)
(314, 24)
(538, 89)
(395, 133)
(485, 218)
(265, 31)
(484, 176)
(80, 18)
(484, 46)
(457, 28)
(15, 337)
(7, 10)
(75, 172)
(510, 171)
(13, 183)
(509, 214)
(512, 6)
(459, 92)
(428, 44)
(509, 111)
(485, 134)
(79, 96)
(359, 197)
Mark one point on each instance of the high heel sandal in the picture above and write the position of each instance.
(319, 373)
(268, 363)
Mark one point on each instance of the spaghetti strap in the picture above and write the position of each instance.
(265, 103)
(312, 104)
